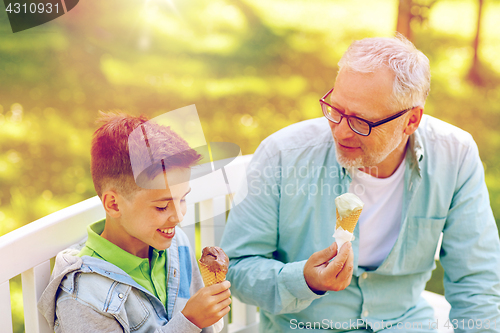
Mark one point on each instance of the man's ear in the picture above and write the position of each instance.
(110, 200)
(415, 116)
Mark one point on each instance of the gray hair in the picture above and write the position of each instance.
(410, 66)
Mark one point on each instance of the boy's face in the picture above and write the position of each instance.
(149, 217)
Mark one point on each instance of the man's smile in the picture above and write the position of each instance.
(347, 147)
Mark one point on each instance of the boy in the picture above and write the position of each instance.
(125, 279)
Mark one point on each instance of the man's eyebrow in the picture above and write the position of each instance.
(170, 198)
(356, 113)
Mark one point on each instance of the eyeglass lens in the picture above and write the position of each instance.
(356, 124)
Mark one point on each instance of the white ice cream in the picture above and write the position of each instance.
(348, 203)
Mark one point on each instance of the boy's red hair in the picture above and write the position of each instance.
(110, 159)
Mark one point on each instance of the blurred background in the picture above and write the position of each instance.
(251, 68)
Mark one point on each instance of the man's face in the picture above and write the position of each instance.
(366, 96)
(149, 217)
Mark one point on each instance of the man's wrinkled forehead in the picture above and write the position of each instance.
(358, 93)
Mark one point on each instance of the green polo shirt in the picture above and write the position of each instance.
(153, 277)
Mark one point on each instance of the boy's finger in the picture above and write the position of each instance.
(224, 311)
(219, 287)
(222, 296)
(225, 302)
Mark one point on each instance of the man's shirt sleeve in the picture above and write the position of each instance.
(470, 252)
(250, 241)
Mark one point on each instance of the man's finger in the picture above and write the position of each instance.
(346, 271)
(324, 255)
(336, 265)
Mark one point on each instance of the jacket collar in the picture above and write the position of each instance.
(66, 263)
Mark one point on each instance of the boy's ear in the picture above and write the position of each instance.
(110, 201)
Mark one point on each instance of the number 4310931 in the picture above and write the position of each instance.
(471, 324)
(32, 8)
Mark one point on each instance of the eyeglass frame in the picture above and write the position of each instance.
(347, 117)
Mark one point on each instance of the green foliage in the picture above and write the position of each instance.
(251, 68)
(17, 304)
(435, 284)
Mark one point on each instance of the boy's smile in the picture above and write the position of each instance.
(167, 232)
(149, 216)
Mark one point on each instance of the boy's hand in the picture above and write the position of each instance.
(208, 305)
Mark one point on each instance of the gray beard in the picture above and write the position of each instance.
(367, 161)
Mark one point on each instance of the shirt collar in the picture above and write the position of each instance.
(344, 173)
(111, 252)
(415, 151)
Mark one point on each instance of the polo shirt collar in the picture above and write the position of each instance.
(113, 253)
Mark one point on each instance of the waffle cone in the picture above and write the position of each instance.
(349, 222)
(209, 277)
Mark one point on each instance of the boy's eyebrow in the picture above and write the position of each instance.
(170, 198)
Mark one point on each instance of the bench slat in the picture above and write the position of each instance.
(188, 225)
(219, 208)
(207, 223)
(243, 314)
(226, 323)
(34, 282)
(252, 328)
(38, 241)
(5, 308)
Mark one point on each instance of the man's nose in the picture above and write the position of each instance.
(342, 130)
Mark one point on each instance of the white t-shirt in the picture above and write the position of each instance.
(380, 220)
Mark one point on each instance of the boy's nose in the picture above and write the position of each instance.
(177, 214)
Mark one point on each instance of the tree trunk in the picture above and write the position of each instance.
(403, 25)
(475, 72)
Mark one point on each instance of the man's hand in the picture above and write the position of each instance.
(208, 305)
(322, 275)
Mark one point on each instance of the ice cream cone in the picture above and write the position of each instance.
(213, 265)
(209, 277)
(349, 222)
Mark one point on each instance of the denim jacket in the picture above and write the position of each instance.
(91, 295)
(289, 213)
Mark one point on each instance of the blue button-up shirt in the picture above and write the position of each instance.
(289, 213)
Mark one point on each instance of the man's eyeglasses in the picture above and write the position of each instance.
(358, 125)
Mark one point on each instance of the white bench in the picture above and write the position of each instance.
(29, 249)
